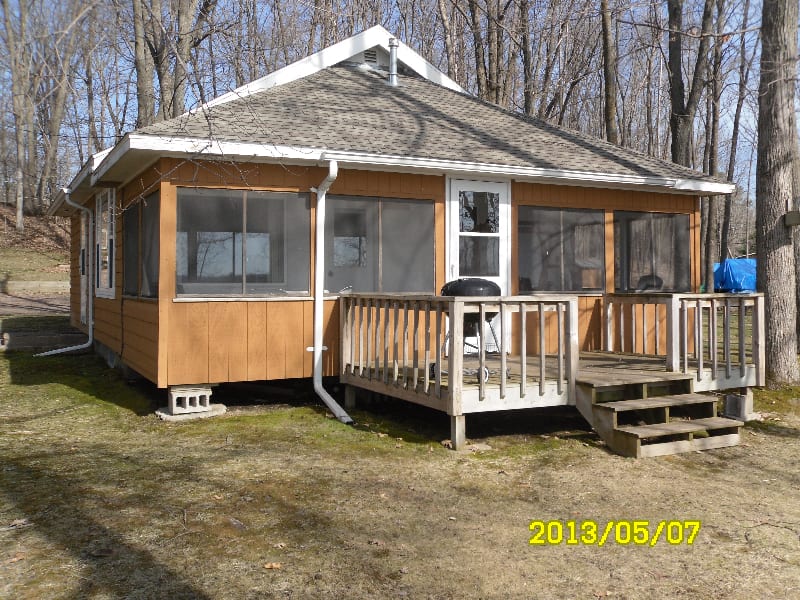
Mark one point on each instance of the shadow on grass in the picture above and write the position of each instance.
(84, 373)
(771, 428)
(50, 501)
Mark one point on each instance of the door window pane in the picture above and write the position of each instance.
(479, 256)
(479, 211)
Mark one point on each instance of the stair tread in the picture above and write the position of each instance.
(662, 429)
(718, 422)
(657, 402)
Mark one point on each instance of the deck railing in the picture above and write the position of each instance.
(710, 331)
(413, 345)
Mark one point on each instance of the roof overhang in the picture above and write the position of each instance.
(134, 151)
(79, 189)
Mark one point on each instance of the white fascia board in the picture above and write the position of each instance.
(333, 55)
(86, 170)
(199, 148)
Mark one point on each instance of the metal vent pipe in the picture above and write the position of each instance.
(393, 44)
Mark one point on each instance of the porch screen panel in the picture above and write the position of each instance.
(277, 243)
(130, 247)
(652, 252)
(407, 254)
(561, 250)
(351, 244)
(150, 207)
(379, 245)
(235, 242)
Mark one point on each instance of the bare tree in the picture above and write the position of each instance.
(609, 75)
(776, 152)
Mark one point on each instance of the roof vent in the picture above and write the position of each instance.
(371, 56)
(393, 44)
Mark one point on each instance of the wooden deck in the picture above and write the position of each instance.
(410, 348)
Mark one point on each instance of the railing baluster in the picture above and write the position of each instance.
(633, 328)
(609, 324)
(658, 327)
(415, 348)
(481, 350)
(644, 328)
(386, 309)
(426, 383)
(404, 370)
(560, 327)
(712, 338)
(396, 344)
(726, 332)
(352, 324)
(622, 327)
(503, 350)
(542, 348)
(523, 351)
(378, 305)
(742, 338)
(439, 357)
(698, 350)
(370, 365)
(685, 336)
(361, 302)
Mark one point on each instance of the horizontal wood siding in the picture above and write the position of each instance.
(140, 336)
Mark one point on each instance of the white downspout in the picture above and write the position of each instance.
(319, 293)
(90, 283)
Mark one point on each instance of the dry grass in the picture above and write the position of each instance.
(98, 499)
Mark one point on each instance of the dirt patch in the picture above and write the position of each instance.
(42, 234)
(274, 500)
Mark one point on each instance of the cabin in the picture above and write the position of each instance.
(303, 226)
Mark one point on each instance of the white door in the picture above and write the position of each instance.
(479, 220)
(479, 234)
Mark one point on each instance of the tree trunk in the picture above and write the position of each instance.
(744, 76)
(609, 76)
(143, 62)
(684, 108)
(776, 152)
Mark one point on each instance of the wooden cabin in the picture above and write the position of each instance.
(356, 182)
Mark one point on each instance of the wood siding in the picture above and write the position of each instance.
(175, 343)
(238, 340)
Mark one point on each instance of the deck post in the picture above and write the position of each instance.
(455, 367)
(572, 349)
(458, 431)
(759, 340)
(673, 335)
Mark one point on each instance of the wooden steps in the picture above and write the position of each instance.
(634, 422)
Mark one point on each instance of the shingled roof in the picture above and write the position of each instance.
(352, 109)
(336, 105)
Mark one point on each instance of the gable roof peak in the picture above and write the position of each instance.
(374, 38)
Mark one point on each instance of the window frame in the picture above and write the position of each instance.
(105, 202)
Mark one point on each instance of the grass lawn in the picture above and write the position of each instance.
(21, 264)
(100, 499)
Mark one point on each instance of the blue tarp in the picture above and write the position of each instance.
(735, 275)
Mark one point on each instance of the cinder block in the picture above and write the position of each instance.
(189, 399)
(740, 407)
